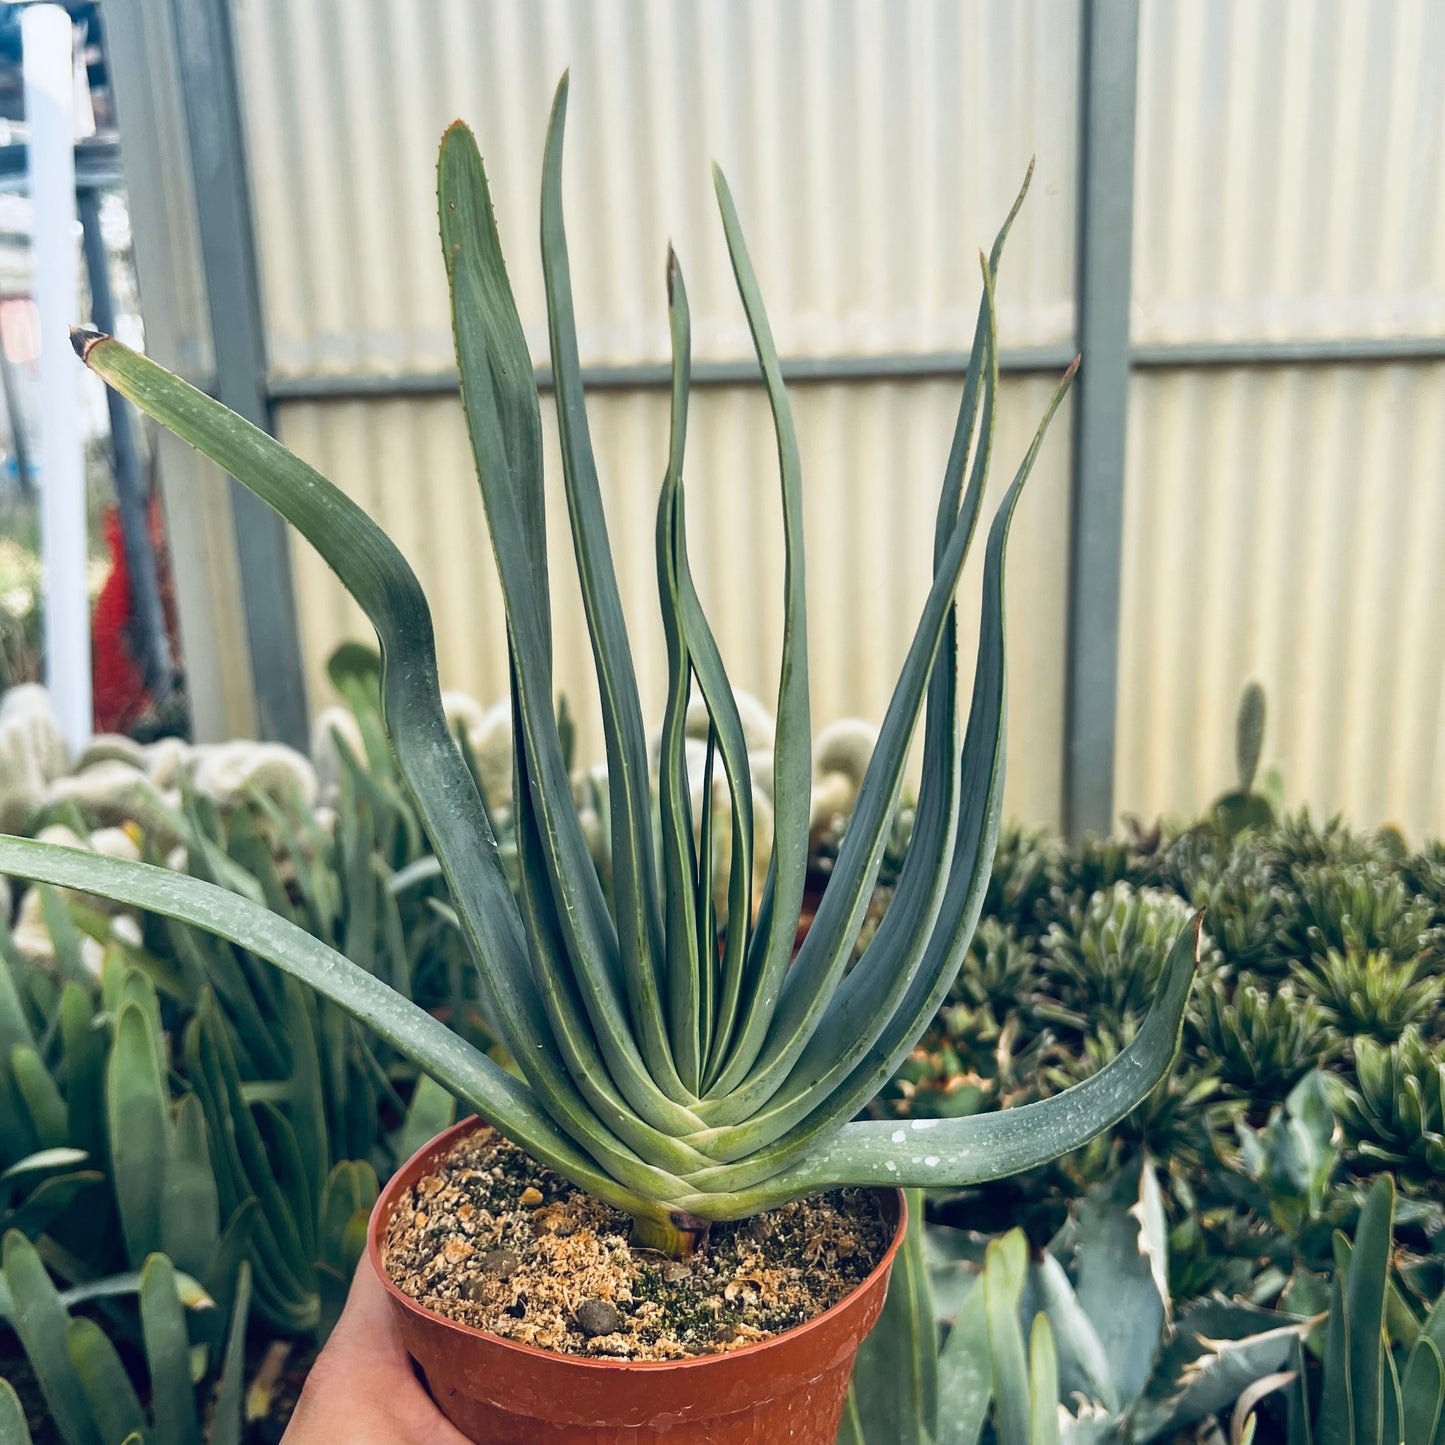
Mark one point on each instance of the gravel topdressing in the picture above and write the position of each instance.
(495, 1241)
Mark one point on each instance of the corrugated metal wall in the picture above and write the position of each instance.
(1279, 523)
(1288, 523)
(849, 133)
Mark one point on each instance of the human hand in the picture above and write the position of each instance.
(362, 1389)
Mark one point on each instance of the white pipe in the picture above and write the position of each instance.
(46, 42)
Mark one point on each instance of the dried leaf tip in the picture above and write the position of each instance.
(83, 338)
(1073, 367)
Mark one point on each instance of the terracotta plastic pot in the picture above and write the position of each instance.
(496, 1392)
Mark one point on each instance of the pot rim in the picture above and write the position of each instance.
(473, 1122)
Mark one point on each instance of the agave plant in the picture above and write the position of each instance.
(1072, 1343)
(1383, 1379)
(677, 1074)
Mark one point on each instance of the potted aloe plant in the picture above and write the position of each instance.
(681, 1072)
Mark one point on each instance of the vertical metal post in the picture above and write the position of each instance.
(19, 442)
(1107, 96)
(131, 494)
(214, 126)
(47, 45)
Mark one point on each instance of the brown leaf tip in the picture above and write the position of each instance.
(83, 338)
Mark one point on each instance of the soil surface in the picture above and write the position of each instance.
(495, 1241)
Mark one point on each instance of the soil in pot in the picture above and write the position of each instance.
(493, 1240)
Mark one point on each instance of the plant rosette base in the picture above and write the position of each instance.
(790, 1387)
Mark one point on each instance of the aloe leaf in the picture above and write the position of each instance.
(108, 1391)
(1365, 1295)
(633, 862)
(792, 757)
(13, 1428)
(228, 1421)
(867, 1032)
(282, 1261)
(850, 1428)
(139, 1124)
(971, 1150)
(965, 1379)
(586, 1074)
(500, 401)
(83, 1040)
(896, 1377)
(860, 1022)
(487, 1087)
(1298, 1430)
(1123, 1285)
(982, 354)
(678, 848)
(432, 1110)
(692, 649)
(40, 1320)
(707, 926)
(1084, 1364)
(222, 1270)
(726, 723)
(1337, 1410)
(1003, 1280)
(307, 1095)
(41, 1097)
(1422, 1394)
(378, 577)
(168, 1348)
(828, 946)
(50, 1199)
(45, 1161)
(1043, 1384)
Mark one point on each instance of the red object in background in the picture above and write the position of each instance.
(121, 699)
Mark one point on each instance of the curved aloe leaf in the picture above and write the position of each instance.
(883, 1007)
(1004, 1270)
(13, 1428)
(895, 1379)
(633, 862)
(674, 797)
(378, 577)
(980, 1147)
(41, 1321)
(487, 1087)
(107, 1389)
(500, 400)
(792, 757)
(168, 1347)
(137, 1105)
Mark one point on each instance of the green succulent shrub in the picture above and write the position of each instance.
(1076, 1341)
(85, 1382)
(1259, 1040)
(679, 1073)
(1393, 1111)
(1381, 1380)
(1051, 990)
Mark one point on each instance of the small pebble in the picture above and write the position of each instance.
(531, 1197)
(597, 1317)
(675, 1270)
(503, 1263)
(554, 1219)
